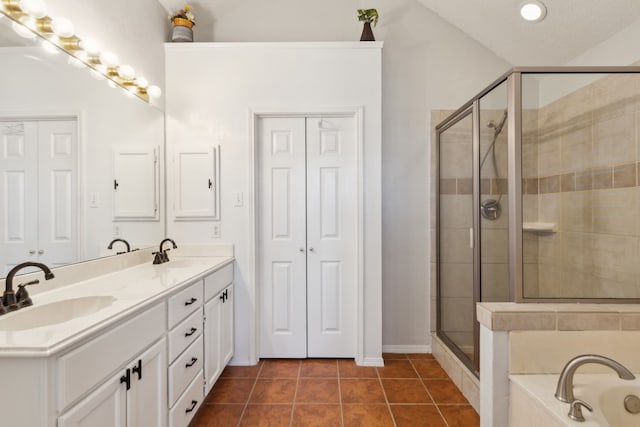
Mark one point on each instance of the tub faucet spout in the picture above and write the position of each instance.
(564, 389)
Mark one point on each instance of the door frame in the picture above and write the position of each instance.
(79, 117)
(255, 114)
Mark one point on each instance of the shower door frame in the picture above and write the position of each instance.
(452, 120)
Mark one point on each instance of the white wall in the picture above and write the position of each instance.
(228, 82)
(427, 64)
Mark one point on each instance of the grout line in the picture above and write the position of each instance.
(384, 393)
(255, 381)
(429, 393)
(340, 393)
(295, 393)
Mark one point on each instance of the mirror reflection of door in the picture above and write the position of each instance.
(38, 192)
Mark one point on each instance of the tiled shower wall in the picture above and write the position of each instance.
(580, 170)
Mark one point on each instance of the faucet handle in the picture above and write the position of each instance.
(22, 296)
(575, 410)
(158, 258)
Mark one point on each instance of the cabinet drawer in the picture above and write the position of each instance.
(184, 303)
(188, 404)
(83, 368)
(184, 334)
(184, 369)
(217, 281)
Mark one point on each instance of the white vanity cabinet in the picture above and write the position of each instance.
(218, 327)
(121, 373)
(133, 397)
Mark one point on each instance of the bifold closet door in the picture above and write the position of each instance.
(307, 237)
(282, 238)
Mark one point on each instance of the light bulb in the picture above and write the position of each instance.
(141, 82)
(96, 75)
(109, 59)
(22, 31)
(101, 69)
(126, 72)
(127, 93)
(533, 11)
(35, 8)
(154, 91)
(76, 62)
(90, 46)
(62, 27)
(50, 47)
(112, 84)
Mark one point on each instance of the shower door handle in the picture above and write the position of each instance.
(471, 242)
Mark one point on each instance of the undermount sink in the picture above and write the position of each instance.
(53, 313)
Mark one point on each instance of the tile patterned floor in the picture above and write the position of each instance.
(410, 390)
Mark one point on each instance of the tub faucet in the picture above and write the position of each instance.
(13, 301)
(119, 240)
(564, 389)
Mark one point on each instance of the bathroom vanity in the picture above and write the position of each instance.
(139, 346)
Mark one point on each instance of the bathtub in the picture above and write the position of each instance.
(532, 401)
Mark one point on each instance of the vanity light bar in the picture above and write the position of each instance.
(60, 33)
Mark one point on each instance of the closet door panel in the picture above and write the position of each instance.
(331, 237)
(282, 237)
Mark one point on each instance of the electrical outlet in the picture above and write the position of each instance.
(215, 232)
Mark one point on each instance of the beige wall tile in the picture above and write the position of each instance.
(456, 211)
(454, 246)
(457, 314)
(616, 211)
(614, 139)
(577, 211)
(530, 280)
(624, 175)
(553, 349)
(495, 282)
(549, 160)
(588, 321)
(630, 321)
(577, 152)
(584, 180)
(495, 245)
(602, 178)
(457, 280)
(524, 321)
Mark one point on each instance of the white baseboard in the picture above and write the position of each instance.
(372, 361)
(407, 348)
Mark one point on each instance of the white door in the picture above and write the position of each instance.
(18, 185)
(332, 218)
(147, 397)
(57, 192)
(307, 237)
(38, 189)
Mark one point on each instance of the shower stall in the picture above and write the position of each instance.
(537, 196)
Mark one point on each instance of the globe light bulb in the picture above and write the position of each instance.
(35, 8)
(154, 91)
(126, 72)
(62, 27)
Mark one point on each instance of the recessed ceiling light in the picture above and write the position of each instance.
(533, 11)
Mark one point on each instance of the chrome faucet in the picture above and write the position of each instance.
(161, 256)
(12, 301)
(564, 389)
(119, 240)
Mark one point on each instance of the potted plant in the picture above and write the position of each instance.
(183, 21)
(368, 16)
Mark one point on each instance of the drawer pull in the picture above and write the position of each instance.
(191, 332)
(191, 301)
(193, 362)
(193, 406)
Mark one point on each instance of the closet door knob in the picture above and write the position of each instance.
(32, 251)
(301, 249)
(311, 249)
(41, 251)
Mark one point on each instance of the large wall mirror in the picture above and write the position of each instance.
(81, 163)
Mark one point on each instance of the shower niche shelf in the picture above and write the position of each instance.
(540, 227)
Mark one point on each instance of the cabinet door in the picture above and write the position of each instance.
(135, 182)
(226, 326)
(147, 398)
(105, 407)
(196, 183)
(212, 341)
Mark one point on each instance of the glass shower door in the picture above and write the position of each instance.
(455, 256)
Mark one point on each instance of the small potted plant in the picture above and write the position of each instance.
(183, 21)
(368, 16)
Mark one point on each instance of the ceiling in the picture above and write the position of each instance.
(570, 28)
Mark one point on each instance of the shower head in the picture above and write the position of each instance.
(498, 128)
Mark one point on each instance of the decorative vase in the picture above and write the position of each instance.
(367, 33)
(182, 30)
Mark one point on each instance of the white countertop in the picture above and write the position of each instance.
(134, 289)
